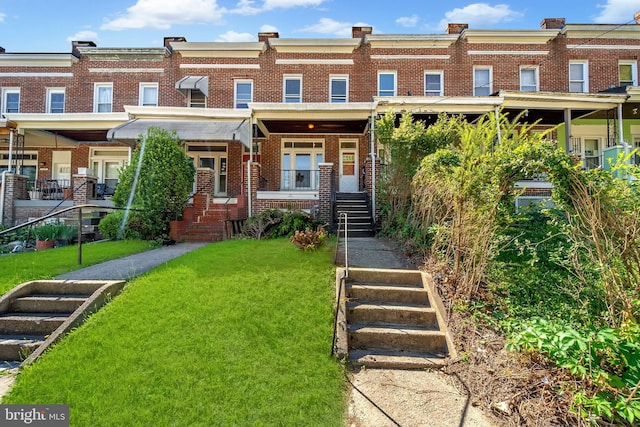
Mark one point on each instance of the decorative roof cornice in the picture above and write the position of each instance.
(409, 41)
(124, 53)
(509, 36)
(601, 31)
(37, 60)
(314, 45)
(219, 49)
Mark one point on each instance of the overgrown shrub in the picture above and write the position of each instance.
(273, 223)
(111, 226)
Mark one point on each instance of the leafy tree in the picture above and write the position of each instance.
(164, 182)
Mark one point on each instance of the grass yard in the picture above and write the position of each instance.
(234, 334)
(22, 267)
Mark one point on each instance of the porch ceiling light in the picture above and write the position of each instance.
(311, 125)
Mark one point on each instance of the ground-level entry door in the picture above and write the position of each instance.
(348, 166)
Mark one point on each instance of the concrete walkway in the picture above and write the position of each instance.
(131, 266)
(372, 252)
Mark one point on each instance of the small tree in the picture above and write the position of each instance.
(165, 179)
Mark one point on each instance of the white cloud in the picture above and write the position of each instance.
(162, 14)
(331, 27)
(2, 17)
(480, 15)
(266, 28)
(408, 21)
(248, 7)
(232, 36)
(617, 12)
(84, 35)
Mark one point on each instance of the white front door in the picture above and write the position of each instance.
(349, 166)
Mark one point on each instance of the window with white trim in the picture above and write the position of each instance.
(433, 83)
(148, 94)
(628, 73)
(292, 89)
(578, 76)
(387, 83)
(242, 93)
(339, 89)
(106, 163)
(10, 100)
(103, 98)
(55, 100)
(301, 164)
(482, 81)
(529, 79)
(196, 99)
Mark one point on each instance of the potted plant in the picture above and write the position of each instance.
(66, 234)
(35, 194)
(46, 235)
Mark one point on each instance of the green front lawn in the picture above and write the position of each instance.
(235, 333)
(22, 267)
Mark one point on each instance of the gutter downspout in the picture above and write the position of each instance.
(497, 113)
(622, 141)
(373, 164)
(249, 163)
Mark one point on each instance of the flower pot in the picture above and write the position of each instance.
(44, 244)
(35, 194)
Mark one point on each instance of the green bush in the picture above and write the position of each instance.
(274, 223)
(135, 228)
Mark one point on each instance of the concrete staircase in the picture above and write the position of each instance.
(359, 219)
(36, 314)
(392, 319)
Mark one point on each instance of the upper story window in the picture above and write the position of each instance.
(10, 100)
(339, 89)
(196, 99)
(482, 81)
(243, 93)
(148, 94)
(433, 83)
(529, 79)
(578, 76)
(387, 83)
(628, 72)
(55, 100)
(292, 88)
(103, 98)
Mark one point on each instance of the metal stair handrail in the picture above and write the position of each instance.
(344, 277)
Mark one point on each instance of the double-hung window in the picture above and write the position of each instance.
(103, 98)
(578, 76)
(387, 83)
(433, 83)
(301, 163)
(339, 89)
(482, 81)
(11, 100)
(148, 94)
(628, 72)
(55, 100)
(242, 93)
(292, 88)
(529, 79)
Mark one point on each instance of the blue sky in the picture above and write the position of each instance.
(50, 25)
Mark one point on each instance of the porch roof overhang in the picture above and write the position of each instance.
(187, 130)
(438, 104)
(561, 101)
(320, 117)
(65, 130)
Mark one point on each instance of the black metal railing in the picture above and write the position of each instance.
(289, 180)
(49, 189)
(343, 278)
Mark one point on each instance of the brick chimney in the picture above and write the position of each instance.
(456, 28)
(360, 32)
(2, 50)
(168, 40)
(265, 36)
(552, 23)
(636, 17)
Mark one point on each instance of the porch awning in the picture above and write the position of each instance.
(187, 130)
(188, 83)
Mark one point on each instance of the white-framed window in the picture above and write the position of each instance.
(482, 80)
(103, 98)
(242, 93)
(301, 164)
(148, 95)
(292, 88)
(628, 73)
(10, 100)
(23, 163)
(591, 152)
(106, 163)
(55, 100)
(387, 85)
(578, 76)
(196, 99)
(433, 83)
(339, 88)
(529, 79)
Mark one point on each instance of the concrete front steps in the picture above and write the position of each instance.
(391, 319)
(36, 314)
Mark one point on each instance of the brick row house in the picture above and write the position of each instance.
(288, 122)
